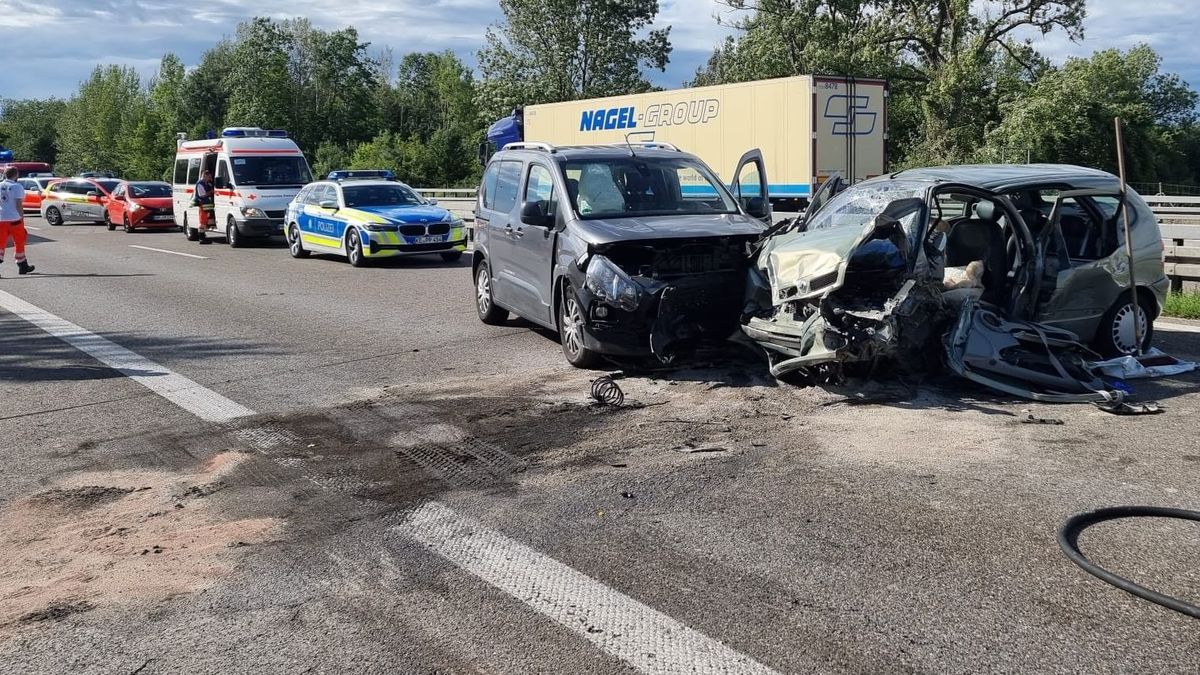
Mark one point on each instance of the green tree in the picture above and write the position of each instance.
(558, 50)
(1067, 116)
(942, 58)
(28, 127)
(205, 93)
(94, 121)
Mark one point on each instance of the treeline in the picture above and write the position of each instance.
(965, 87)
(344, 106)
(968, 84)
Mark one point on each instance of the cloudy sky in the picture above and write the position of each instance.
(50, 45)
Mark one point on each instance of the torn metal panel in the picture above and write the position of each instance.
(1023, 359)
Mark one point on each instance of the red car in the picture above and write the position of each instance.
(33, 191)
(145, 204)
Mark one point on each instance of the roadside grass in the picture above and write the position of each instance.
(1183, 305)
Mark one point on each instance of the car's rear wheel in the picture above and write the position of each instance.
(295, 244)
(233, 236)
(190, 232)
(570, 331)
(126, 224)
(452, 256)
(1116, 334)
(354, 249)
(489, 312)
(54, 217)
(108, 222)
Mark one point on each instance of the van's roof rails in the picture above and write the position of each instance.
(647, 144)
(529, 145)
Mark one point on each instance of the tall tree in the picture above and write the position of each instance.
(943, 54)
(558, 50)
(28, 127)
(92, 124)
(1067, 116)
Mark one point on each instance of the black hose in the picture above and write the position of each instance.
(1068, 540)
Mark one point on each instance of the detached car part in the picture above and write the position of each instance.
(1025, 359)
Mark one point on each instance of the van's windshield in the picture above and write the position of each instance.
(623, 187)
(263, 171)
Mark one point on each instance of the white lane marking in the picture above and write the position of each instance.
(31, 227)
(638, 634)
(163, 250)
(202, 402)
(1181, 327)
(642, 636)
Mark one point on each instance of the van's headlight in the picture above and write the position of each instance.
(608, 283)
(251, 212)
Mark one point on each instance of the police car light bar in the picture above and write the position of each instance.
(360, 174)
(253, 132)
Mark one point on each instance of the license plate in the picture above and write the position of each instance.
(164, 217)
(430, 239)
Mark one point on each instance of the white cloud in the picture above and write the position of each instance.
(58, 42)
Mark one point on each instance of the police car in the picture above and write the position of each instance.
(367, 218)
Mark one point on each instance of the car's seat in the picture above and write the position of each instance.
(980, 238)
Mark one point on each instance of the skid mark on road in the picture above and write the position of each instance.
(643, 637)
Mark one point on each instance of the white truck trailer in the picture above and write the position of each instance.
(808, 127)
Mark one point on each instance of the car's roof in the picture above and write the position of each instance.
(621, 151)
(1001, 176)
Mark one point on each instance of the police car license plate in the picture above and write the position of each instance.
(429, 239)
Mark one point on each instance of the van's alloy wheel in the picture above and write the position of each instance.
(232, 236)
(190, 233)
(489, 312)
(570, 331)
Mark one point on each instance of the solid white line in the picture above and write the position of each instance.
(202, 402)
(163, 250)
(1181, 327)
(638, 634)
(642, 636)
(31, 227)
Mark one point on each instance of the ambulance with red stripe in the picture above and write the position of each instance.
(256, 174)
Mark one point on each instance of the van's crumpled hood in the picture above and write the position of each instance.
(792, 257)
(615, 230)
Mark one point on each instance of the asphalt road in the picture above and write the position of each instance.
(409, 490)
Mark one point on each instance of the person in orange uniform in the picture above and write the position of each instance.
(12, 218)
(205, 199)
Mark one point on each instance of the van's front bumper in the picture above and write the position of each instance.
(261, 227)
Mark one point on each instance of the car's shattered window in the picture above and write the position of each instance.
(859, 204)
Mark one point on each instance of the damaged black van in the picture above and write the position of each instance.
(625, 250)
(883, 268)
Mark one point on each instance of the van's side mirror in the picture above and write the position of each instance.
(756, 207)
(484, 153)
(536, 213)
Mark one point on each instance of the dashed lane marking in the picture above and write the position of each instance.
(638, 634)
(163, 250)
(202, 402)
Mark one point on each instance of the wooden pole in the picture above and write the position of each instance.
(1133, 298)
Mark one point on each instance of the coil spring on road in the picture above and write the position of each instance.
(606, 391)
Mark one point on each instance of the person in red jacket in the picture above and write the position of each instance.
(206, 200)
(12, 218)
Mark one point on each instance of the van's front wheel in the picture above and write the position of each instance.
(570, 331)
(190, 233)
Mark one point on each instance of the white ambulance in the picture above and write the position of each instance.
(256, 174)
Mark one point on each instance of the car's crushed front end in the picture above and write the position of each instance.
(661, 297)
(829, 296)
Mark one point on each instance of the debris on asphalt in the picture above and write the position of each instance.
(57, 611)
(606, 391)
(1127, 408)
(1153, 363)
(1031, 419)
(628, 495)
(689, 449)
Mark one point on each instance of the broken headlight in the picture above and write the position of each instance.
(608, 283)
